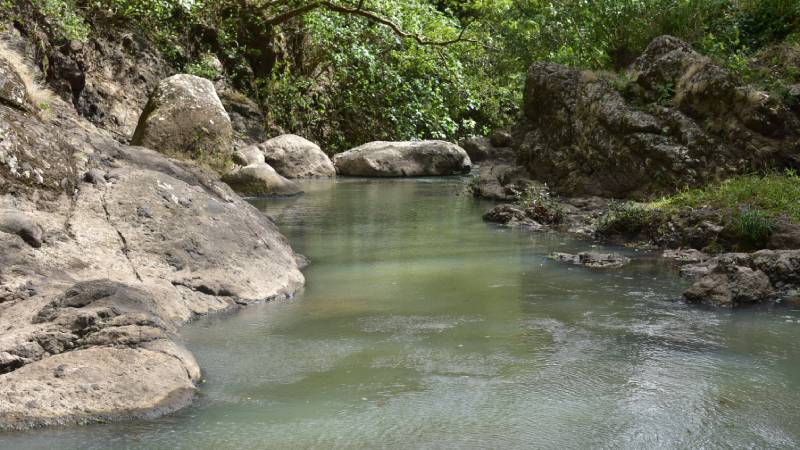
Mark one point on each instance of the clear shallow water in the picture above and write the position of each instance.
(423, 327)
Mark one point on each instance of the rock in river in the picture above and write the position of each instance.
(295, 157)
(260, 180)
(403, 159)
(593, 259)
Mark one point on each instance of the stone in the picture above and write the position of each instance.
(740, 287)
(295, 157)
(512, 216)
(260, 180)
(403, 159)
(735, 280)
(185, 118)
(478, 148)
(500, 181)
(501, 138)
(24, 227)
(13, 91)
(593, 260)
(251, 154)
(581, 136)
(246, 117)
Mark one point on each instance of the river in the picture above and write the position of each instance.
(421, 326)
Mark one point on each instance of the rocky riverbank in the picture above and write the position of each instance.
(105, 250)
(593, 149)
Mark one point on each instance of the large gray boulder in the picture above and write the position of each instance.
(295, 157)
(185, 118)
(403, 159)
(681, 121)
(260, 180)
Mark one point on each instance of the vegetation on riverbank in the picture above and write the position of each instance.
(345, 72)
(747, 209)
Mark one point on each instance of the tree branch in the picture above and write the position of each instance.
(369, 15)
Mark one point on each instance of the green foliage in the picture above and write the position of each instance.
(63, 15)
(751, 227)
(540, 205)
(774, 194)
(342, 79)
(205, 67)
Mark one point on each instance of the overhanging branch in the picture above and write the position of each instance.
(369, 15)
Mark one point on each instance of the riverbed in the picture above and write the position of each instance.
(421, 326)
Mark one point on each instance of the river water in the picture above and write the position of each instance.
(423, 327)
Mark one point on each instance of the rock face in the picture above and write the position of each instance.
(295, 157)
(105, 249)
(247, 119)
(12, 89)
(403, 159)
(593, 260)
(185, 118)
(478, 148)
(584, 135)
(740, 279)
(260, 180)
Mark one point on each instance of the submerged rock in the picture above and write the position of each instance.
(403, 159)
(592, 259)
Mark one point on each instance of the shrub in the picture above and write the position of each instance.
(540, 205)
(630, 219)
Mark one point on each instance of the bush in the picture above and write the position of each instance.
(540, 205)
(630, 219)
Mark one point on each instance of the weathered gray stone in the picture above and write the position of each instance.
(295, 157)
(403, 159)
(22, 226)
(740, 279)
(478, 148)
(259, 180)
(185, 118)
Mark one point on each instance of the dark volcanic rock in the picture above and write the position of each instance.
(688, 123)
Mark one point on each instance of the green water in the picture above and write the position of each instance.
(423, 327)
